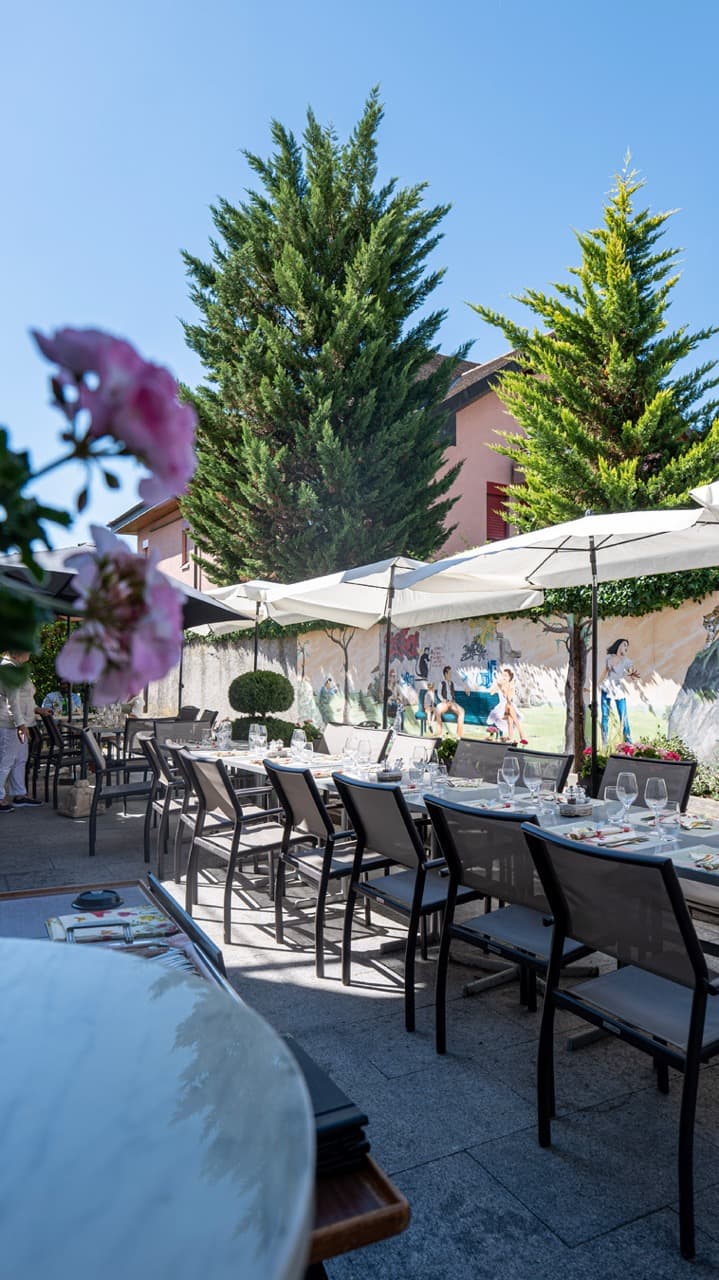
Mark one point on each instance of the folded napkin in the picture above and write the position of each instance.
(464, 784)
(608, 836)
(702, 858)
(695, 822)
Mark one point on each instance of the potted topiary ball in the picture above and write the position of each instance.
(257, 694)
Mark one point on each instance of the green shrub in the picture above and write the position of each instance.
(706, 779)
(445, 749)
(275, 728)
(258, 693)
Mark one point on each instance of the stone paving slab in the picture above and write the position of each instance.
(458, 1132)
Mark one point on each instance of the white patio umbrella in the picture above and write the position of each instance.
(368, 594)
(581, 552)
(256, 595)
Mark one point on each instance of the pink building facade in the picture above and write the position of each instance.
(474, 417)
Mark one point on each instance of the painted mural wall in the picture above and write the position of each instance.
(666, 673)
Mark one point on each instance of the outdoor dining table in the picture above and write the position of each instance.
(688, 847)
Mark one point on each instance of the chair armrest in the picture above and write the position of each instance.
(252, 791)
(343, 835)
(433, 863)
(262, 817)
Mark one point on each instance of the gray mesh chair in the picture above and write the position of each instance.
(166, 798)
(188, 712)
(244, 839)
(478, 759)
(213, 821)
(333, 739)
(65, 754)
(385, 827)
(185, 731)
(555, 767)
(105, 789)
(678, 775)
(659, 1000)
(136, 727)
(487, 852)
(327, 860)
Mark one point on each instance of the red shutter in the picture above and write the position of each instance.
(496, 516)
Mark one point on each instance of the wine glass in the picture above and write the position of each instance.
(261, 738)
(655, 798)
(297, 742)
(352, 748)
(252, 737)
(510, 772)
(533, 779)
(627, 791)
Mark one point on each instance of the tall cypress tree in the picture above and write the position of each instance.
(610, 422)
(319, 439)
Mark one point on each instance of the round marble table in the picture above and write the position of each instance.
(152, 1125)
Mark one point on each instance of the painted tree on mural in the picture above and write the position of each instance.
(319, 438)
(610, 420)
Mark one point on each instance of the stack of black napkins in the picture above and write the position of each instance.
(341, 1141)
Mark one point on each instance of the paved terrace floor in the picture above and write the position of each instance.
(457, 1134)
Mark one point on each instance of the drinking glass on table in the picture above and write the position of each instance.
(441, 778)
(364, 752)
(252, 742)
(510, 772)
(627, 791)
(671, 821)
(533, 779)
(505, 790)
(297, 742)
(419, 755)
(613, 807)
(352, 748)
(261, 738)
(655, 798)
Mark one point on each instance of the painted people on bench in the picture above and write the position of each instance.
(448, 701)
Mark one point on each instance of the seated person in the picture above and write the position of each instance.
(448, 702)
(56, 700)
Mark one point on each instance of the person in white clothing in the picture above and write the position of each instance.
(613, 688)
(17, 713)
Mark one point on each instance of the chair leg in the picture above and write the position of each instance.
(191, 881)
(440, 999)
(227, 911)
(531, 981)
(279, 895)
(423, 937)
(93, 822)
(320, 929)
(347, 936)
(55, 781)
(409, 955)
(146, 830)
(545, 1074)
(177, 850)
(662, 1071)
(686, 1155)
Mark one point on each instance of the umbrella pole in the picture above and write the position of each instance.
(390, 598)
(257, 632)
(179, 677)
(595, 645)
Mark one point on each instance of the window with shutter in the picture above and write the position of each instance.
(496, 513)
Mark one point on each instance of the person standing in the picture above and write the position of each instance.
(613, 688)
(448, 700)
(17, 713)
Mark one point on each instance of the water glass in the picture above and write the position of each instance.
(613, 807)
(252, 737)
(505, 790)
(297, 742)
(671, 822)
(419, 755)
(441, 777)
(261, 738)
(364, 752)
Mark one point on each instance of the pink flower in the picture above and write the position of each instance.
(135, 402)
(132, 626)
(671, 755)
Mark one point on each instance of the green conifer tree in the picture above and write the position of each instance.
(610, 422)
(319, 440)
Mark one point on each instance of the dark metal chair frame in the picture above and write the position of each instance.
(188, 812)
(516, 930)
(678, 775)
(327, 860)
(109, 792)
(65, 753)
(415, 892)
(166, 799)
(241, 839)
(658, 979)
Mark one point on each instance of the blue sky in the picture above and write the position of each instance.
(123, 123)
